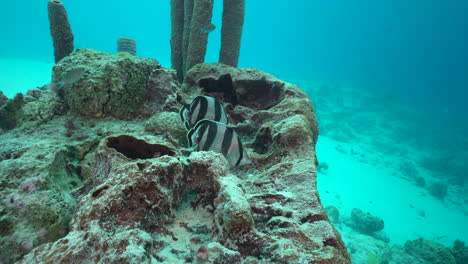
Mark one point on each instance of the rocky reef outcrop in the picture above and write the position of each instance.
(103, 175)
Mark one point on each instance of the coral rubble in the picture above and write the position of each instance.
(107, 177)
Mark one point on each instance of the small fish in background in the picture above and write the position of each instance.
(70, 77)
(203, 107)
(207, 28)
(209, 135)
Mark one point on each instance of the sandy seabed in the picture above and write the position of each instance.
(350, 183)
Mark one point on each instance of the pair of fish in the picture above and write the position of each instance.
(207, 123)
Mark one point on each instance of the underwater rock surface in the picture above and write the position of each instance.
(108, 178)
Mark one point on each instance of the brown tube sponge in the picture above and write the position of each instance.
(126, 45)
(201, 16)
(188, 10)
(60, 30)
(177, 32)
(231, 32)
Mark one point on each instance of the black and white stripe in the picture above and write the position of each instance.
(208, 135)
(203, 107)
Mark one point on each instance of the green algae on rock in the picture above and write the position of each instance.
(113, 85)
(37, 174)
(365, 222)
(121, 188)
(429, 251)
(3, 99)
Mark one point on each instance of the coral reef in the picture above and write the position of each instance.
(11, 112)
(438, 189)
(122, 87)
(112, 184)
(60, 30)
(429, 251)
(365, 222)
(127, 45)
(231, 32)
(460, 252)
(37, 105)
(3, 99)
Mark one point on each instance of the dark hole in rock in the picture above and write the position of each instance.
(259, 94)
(99, 191)
(141, 166)
(134, 148)
(331, 242)
(263, 140)
(222, 86)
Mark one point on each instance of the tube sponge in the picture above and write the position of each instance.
(201, 16)
(60, 30)
(231, 32)
(188, 10)
(126, 45)
(177, 32)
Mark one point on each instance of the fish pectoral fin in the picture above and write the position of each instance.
(57, 86)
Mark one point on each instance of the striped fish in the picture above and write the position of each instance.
(203, 107)
(209, 135)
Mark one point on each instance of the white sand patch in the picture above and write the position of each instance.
(19, 75)
(408, 211)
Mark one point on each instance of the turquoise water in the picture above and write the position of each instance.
(388, 78)
(414, 48)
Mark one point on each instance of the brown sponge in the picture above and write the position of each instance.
(188, 10)
(201, 16)
(231, 32)
(60, 30)
(126, 45)
(177, 32)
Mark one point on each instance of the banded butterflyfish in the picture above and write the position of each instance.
(214, 136)
(203, 107)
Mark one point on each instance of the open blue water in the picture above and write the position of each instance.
(415, 51)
